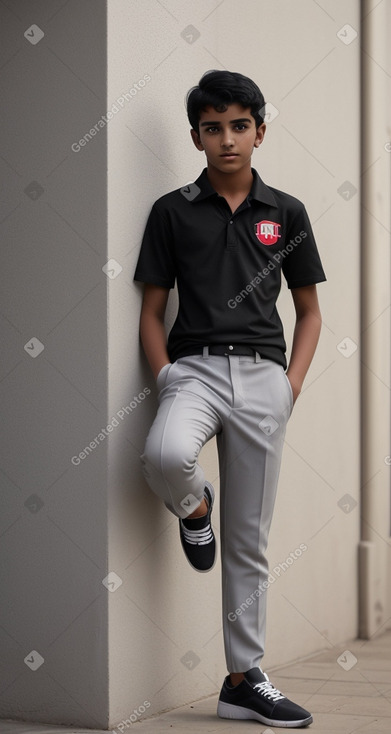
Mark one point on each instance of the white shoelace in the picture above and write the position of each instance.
(268, 690)
(198, 537)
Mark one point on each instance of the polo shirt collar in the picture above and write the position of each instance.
(259, 190)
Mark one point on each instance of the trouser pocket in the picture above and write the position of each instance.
(290, 393)
(161, 377)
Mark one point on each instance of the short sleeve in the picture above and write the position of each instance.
(302, 264)
(156, 262)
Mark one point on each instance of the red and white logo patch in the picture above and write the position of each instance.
(267, 232)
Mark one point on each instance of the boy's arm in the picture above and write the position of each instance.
(152, 329)
(305, 337)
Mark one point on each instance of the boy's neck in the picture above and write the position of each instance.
(230, 184)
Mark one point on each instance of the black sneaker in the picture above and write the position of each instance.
(197, 537)
(256, 698)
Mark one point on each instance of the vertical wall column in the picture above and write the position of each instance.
(376, 299)
(54, 430)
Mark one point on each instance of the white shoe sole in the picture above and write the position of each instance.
(230, 711)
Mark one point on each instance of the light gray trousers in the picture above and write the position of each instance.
(244, 401)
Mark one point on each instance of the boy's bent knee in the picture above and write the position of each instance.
(173, 479)
(175, 474)
(172, 463)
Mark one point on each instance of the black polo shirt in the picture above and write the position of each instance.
(228, 266)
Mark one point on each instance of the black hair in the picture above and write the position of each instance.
(220, 89)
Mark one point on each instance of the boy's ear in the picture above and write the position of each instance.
(259, 135)
(196, 139)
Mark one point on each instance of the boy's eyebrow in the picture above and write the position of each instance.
(217, 122)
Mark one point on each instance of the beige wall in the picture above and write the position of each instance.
(311, 148)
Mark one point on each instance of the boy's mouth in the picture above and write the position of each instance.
(228, 155)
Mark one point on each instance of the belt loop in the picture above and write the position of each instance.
(258, 357)
(205, 352)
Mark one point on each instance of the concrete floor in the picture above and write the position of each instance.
(343, 697)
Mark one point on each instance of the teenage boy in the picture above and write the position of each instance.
(225, 240)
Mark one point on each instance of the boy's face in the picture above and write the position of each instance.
(228, 138)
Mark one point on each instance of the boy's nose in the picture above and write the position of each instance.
(226, 139)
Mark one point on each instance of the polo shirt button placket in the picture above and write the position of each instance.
(231, 238)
